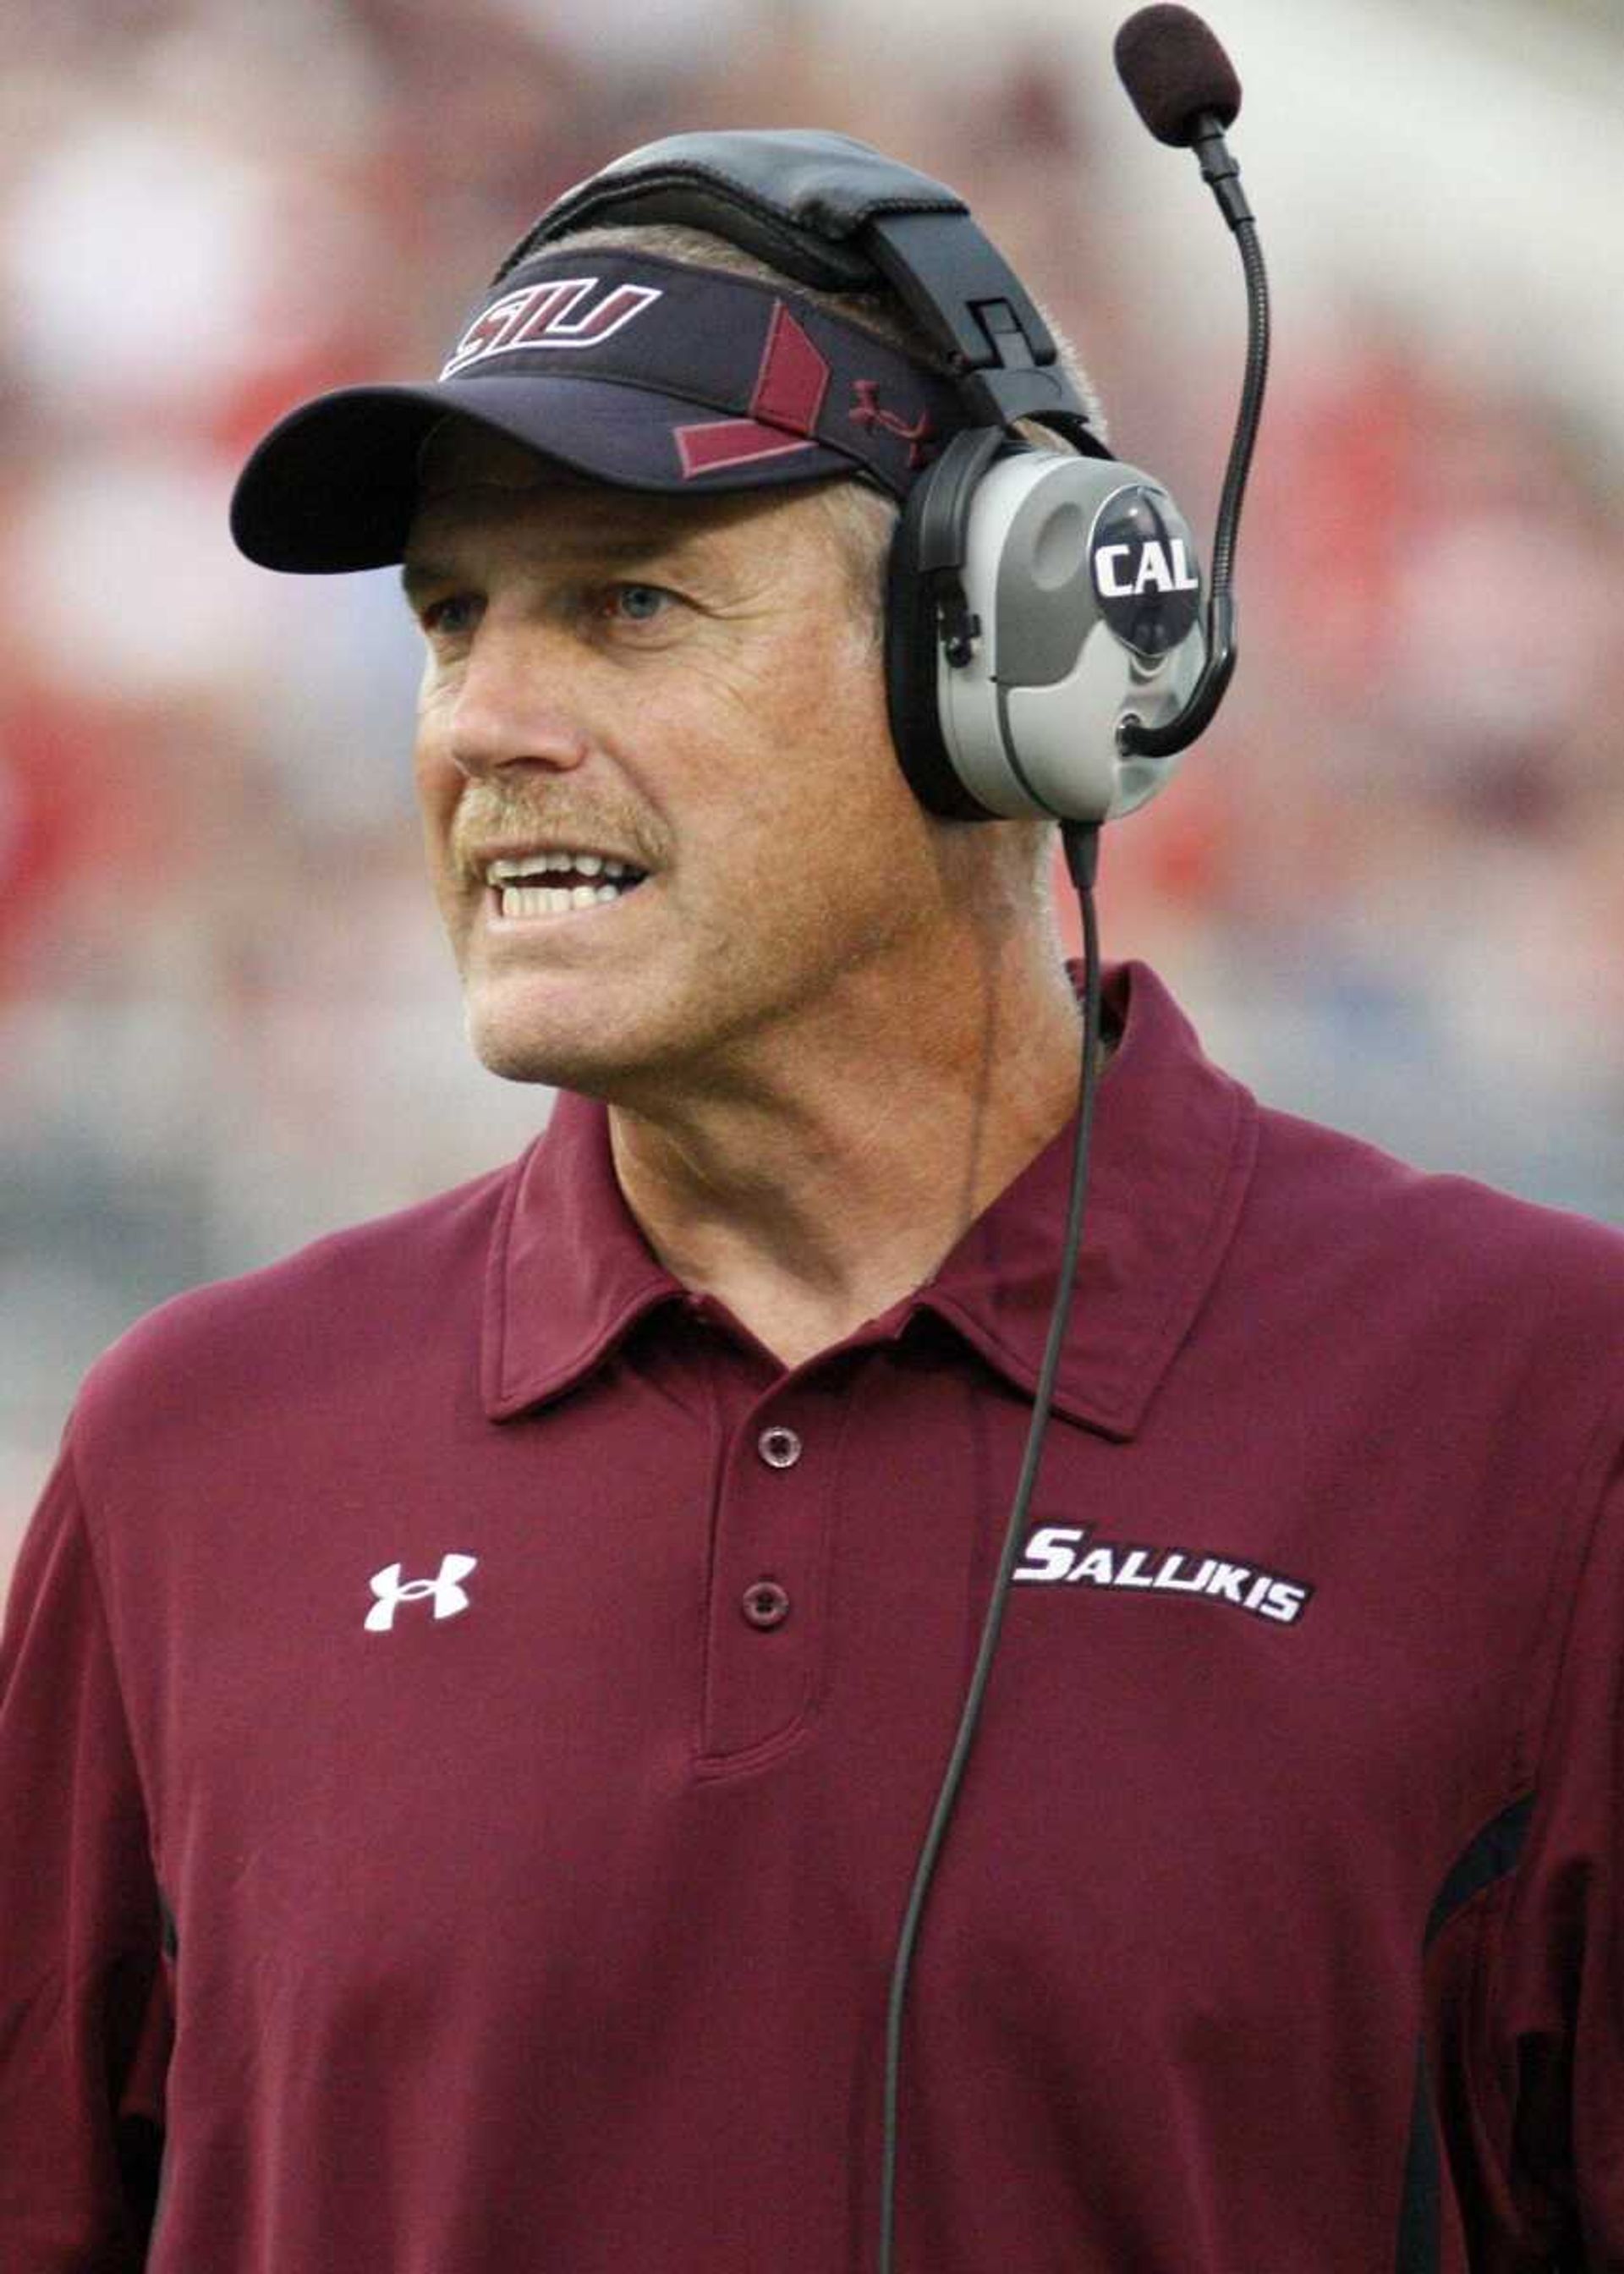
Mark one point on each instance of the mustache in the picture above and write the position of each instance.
(523, 821)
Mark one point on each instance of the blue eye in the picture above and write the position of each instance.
(450, 617)
(640, 602)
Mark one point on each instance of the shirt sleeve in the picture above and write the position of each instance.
(1558, 1984)
(83, 2000)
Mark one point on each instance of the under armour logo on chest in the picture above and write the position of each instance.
(448, 1595)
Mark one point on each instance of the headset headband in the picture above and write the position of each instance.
(830, 212)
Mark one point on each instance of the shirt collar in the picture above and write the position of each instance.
(570, 1273)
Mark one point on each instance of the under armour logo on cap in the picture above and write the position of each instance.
(446, 1588)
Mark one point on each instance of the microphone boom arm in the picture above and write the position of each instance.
(1222, 173)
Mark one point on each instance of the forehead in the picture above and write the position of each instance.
(471, 479)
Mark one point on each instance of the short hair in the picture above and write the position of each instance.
(863, 515)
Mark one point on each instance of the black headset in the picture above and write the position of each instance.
(1042, 610)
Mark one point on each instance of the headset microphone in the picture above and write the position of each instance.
(1185, 88)
(1175, 73)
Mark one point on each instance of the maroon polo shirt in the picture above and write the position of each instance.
(469, 1718)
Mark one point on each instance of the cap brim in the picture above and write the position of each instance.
(334, 485)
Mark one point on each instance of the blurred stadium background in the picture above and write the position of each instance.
(1390, 886)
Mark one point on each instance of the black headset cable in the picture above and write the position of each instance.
(1082, 852)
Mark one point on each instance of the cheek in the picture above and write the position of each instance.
(854, 698)
(437, 782)
(836, 833)
(859, 753)
(437, 790)
(430, 778)
(436, 706)
(828, 699)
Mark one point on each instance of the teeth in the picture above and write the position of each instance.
(557, 899)
(540, 864)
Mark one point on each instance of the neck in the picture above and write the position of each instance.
(831, 1172)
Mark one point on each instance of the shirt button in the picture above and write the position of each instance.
(765, 1604)
(779, 1448)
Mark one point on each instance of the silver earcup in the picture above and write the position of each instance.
(1082, 577)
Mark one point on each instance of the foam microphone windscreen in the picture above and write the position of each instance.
(1175, 70)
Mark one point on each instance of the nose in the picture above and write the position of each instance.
(513, 706)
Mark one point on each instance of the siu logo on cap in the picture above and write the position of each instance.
(549, 315)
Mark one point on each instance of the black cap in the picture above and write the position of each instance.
(648, 373)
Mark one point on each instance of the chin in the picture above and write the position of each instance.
(518, 1051)
(527, 1057)
(657, 1045)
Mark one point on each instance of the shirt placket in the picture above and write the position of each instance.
(768, 1610)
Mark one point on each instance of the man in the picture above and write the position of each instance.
(475, 1691)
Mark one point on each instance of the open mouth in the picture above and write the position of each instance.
(557, 883)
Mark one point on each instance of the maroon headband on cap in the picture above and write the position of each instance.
(647, 373)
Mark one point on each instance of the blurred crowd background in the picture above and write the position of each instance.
(1389, 885)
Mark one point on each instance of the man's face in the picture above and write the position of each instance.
(688, 688)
